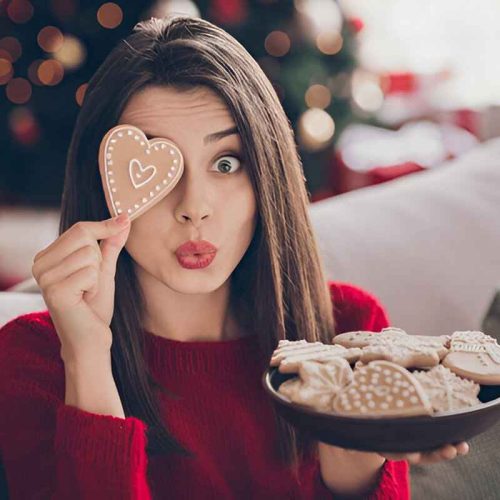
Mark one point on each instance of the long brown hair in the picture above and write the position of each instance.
(278, 289)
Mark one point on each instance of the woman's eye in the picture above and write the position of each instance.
(224, 164)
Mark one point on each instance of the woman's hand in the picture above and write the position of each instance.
(447, 452)
(76, 274)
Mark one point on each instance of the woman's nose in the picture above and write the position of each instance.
(193, 202)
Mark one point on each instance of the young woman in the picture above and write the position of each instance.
(142, 379)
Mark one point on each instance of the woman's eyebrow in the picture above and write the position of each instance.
(216, 136)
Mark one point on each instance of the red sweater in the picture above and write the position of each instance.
(53, 450)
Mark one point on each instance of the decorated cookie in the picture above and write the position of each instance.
(474, 355)
(362, 338)
(137, 173)
(317, 383)
(290, 353)
(382, 389)
(409, 346)
(445, 390)
(407, 354)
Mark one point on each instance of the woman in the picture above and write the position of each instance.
(143, 377)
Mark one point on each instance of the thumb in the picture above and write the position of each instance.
(111, 248)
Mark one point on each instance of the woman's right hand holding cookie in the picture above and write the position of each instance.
(76, 274)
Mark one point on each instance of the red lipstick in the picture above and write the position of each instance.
(196, 254)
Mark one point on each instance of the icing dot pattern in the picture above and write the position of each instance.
(141, 173)
(393, 392)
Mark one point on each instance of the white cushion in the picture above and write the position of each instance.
(427, 245)
(13, 304)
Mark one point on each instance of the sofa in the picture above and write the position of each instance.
(428, 246)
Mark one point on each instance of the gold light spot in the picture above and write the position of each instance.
(72, 52)
(318, 96)
(329, 42)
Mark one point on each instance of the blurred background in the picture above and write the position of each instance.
(375, 90)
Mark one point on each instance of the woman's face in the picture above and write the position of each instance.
(214, 199)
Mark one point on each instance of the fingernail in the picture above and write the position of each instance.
(122, 219)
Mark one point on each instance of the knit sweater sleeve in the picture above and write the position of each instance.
(358, 309)
(53, 450)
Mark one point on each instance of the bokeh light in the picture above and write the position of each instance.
(10, 48)
(64, 9)
(277, 43)
(109, 15)
(20, 11)
(24, 126)
(72, 53)
(6, 71)
(329, 43)
(50, 72)
(366, 91)
(80, 93)
(318, 96)
(18, 90)
(33, 71)
(50, 39)
(315, 129)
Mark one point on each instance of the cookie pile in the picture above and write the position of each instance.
(388, 373)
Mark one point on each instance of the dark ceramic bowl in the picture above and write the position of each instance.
(391, 434)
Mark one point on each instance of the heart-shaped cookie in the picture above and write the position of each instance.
(136, 172)
(382, 389)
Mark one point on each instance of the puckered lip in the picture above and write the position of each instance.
(195, 247)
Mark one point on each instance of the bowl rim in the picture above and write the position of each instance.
(439, 416)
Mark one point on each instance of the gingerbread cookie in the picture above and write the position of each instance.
(412, 351)
(290, 353)
(474, 355)
(406, 354)
(318, 383)
(137, 173)
(363, 338)
(446, 391)
(382, 389)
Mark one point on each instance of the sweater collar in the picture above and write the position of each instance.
(222, 356)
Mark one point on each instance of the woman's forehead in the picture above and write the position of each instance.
(162, 111)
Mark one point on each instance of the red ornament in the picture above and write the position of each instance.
(356, 24)
(393, 83)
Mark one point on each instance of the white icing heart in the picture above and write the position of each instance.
(134, 163)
